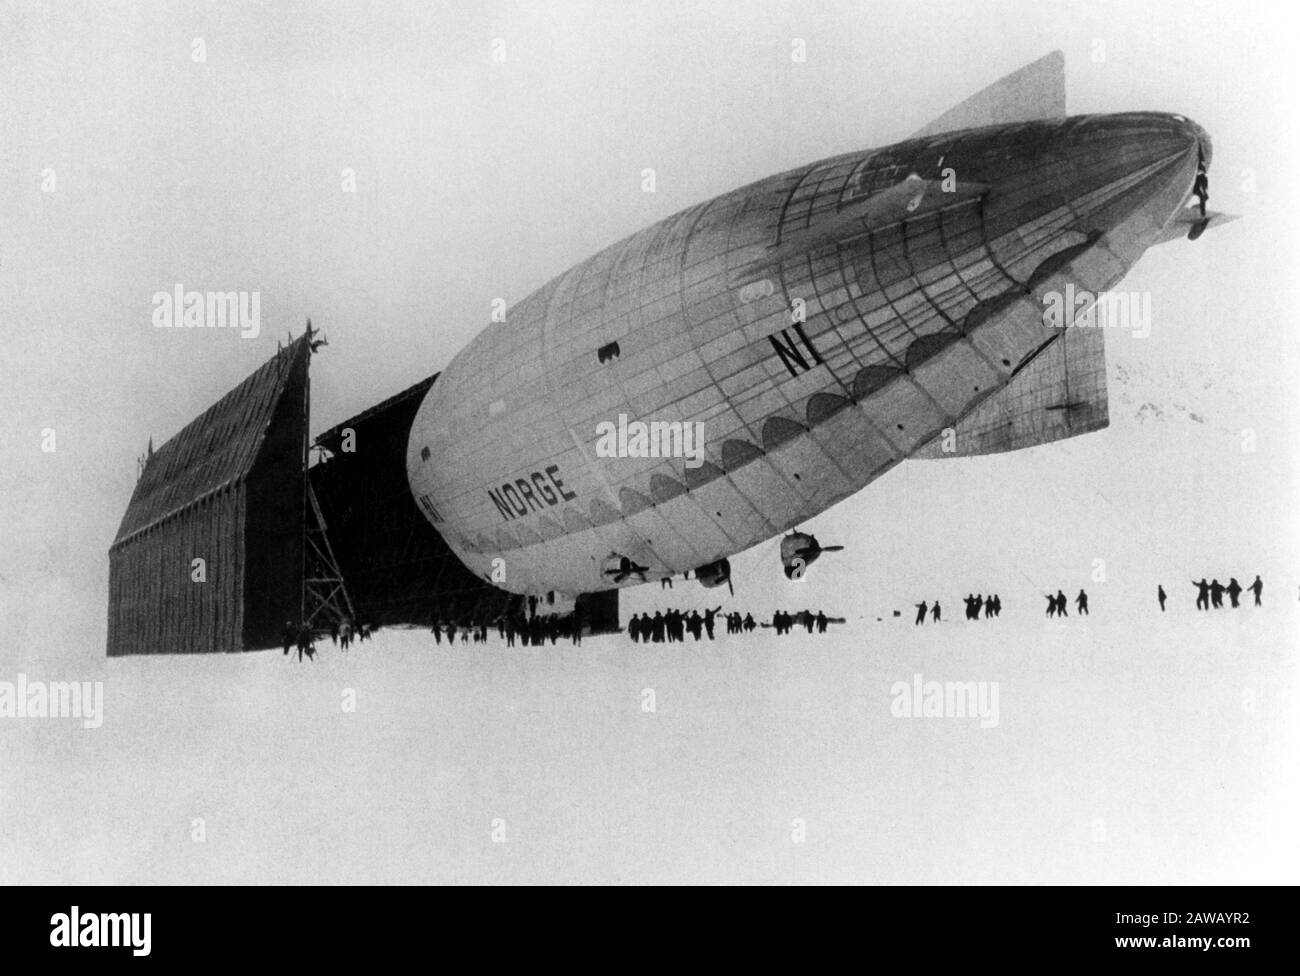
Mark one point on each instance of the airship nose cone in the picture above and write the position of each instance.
(1202, 137)
(1143, 136)
(1096, 170)
(1179, 132)
(1132, 161)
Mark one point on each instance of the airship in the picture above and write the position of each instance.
(711, 382)
(736, 369)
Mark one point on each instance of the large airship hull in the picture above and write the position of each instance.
(812, 329)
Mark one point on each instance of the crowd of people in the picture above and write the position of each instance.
(1210, 595)
(531, 631)
(342, 634)
(673, 625)
(980, 606)
(977, 605)
(1056, 604)
(784, 622)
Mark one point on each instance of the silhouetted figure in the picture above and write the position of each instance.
(821, 621)
(1081, 602)
(988, 608)
(1233, 589)
(304, 643)
(997, 605)
(289, 635)
(695, 624)
(657, 628)
(921, 609)
(1161, 595)
(1051, 605)
(749, 624)
(1257, 588)
(1060, 604)
(1216, 594)
(934, 612)
(708, 620)
(1202, 594)
(1201, 185)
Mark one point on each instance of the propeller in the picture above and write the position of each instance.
(816, 550)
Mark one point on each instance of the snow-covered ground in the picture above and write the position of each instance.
(1158, 755)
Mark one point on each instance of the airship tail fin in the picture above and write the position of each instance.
(1036, 91)
(1059, 393)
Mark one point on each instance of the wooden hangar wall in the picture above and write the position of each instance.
(226, 490)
